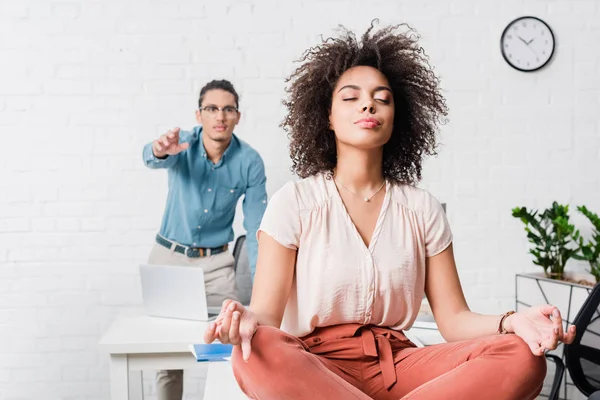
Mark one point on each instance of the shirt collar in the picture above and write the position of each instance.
(233, 145)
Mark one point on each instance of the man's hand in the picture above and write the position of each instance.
(168, 144)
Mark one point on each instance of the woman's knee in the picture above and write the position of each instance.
(520, 358)
(271, 351)
(265, 351)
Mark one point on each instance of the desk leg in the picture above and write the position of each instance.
(119, 377)
(136, 385)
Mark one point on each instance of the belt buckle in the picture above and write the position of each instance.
(190, 252)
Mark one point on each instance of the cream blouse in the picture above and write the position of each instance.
(338, 279)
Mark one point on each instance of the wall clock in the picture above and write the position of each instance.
(527, 44)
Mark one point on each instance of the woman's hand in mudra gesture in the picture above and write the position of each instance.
(541, 327)
(235, 324)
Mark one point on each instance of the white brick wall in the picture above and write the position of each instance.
(84, 84)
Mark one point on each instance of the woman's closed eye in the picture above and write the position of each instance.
(384, 101)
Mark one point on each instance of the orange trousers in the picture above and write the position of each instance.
(367, 362)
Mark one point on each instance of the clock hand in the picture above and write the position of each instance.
(532, 50)
(527, 44)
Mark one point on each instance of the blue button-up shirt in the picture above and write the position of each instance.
(203, 196)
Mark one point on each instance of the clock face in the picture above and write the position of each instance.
(527, 44)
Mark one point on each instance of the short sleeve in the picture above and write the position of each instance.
(281, 219)
(438, 235)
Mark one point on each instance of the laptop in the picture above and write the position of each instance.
(175, 292)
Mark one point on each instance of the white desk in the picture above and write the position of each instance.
(424, 333)
(141, 343)
(147, 343)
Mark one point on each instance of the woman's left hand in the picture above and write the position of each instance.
(538, 330)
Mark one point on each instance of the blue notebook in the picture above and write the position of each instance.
(211, 352)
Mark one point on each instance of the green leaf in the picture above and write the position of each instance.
(555, 240)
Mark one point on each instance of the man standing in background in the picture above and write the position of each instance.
(209, 169)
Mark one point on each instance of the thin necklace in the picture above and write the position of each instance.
(366, 199)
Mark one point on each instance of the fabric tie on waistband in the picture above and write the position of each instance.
(376, 343)
(374, 340)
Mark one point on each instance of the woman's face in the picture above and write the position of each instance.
(362, 108)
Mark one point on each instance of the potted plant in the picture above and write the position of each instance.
(553, 237)
(554, 242)
(590, 251)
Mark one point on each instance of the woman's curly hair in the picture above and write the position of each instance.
(419, 105)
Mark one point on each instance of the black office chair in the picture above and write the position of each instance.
(237, 250)
(559, 371)
(241, 266)
(583, 355)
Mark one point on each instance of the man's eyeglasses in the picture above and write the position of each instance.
(228, 111)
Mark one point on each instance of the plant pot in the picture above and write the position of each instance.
(555, 276)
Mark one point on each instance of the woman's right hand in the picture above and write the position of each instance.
(235, 324)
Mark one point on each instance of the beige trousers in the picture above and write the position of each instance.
(219, 280)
